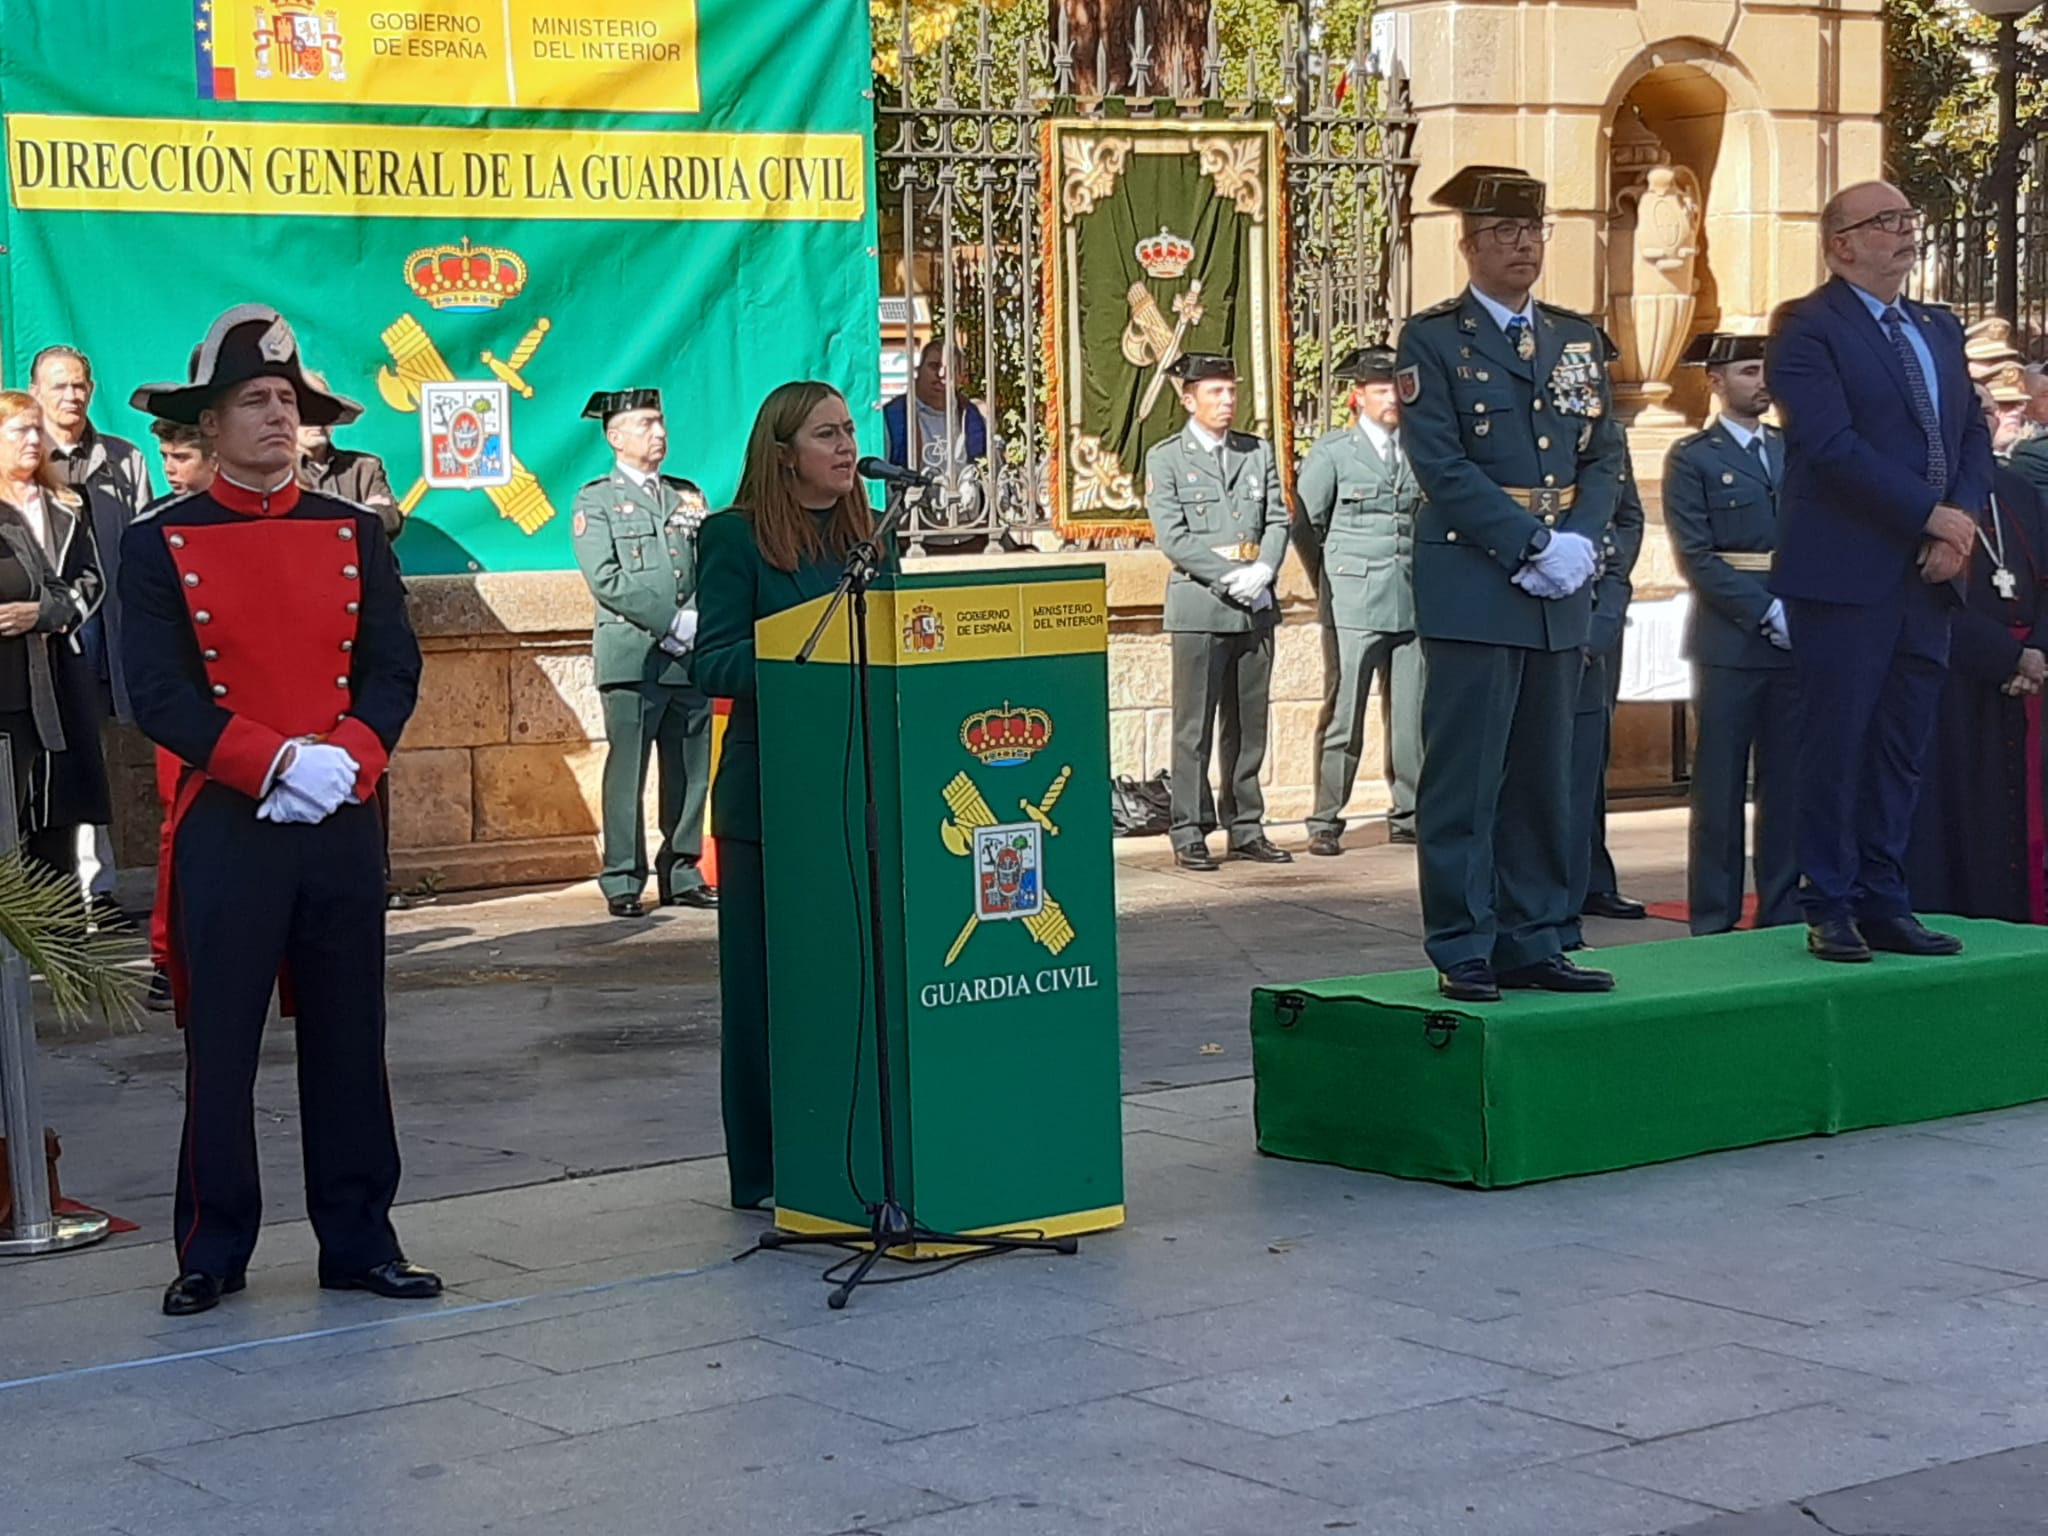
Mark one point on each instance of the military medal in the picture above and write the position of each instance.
(2003, 582)
(1575, 381)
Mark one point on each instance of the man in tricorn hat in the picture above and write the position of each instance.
(635, 534)
(267, 647)
(1359, 499)
(1213, 495)
(1507, 417)
(1721, 506)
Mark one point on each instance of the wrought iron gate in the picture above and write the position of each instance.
(959, 184)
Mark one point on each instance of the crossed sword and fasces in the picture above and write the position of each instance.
(1049, 925)
(419, 362)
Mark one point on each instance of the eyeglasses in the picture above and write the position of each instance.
(1893, 221)
(1515, 231)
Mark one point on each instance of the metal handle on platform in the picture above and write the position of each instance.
(36, 1229)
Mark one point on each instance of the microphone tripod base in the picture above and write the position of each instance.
(891, 1229)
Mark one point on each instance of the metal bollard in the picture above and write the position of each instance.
(36, 1228)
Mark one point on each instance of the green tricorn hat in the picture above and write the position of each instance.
(607, 403)
(1710, 349)
(1372, 364)
(1193, 367)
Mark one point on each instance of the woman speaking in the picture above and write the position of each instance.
(800, 510)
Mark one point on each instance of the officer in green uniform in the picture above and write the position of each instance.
(1507, 418)
(1217, 513)
(1359, 500)
(1721, 506)
(635, 532)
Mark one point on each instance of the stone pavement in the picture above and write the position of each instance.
(1839, 1335)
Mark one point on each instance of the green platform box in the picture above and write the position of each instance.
(990, 699)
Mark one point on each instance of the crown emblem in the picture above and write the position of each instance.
(1165, 254)
(1003, 738)
(465, 276)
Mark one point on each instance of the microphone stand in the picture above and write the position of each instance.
(891, 1224)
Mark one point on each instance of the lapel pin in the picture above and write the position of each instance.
(1727, 478)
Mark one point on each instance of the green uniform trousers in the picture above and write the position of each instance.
(1493, 809)
(1230, 675)
(1593, 870)
(743, 1022)
(674, 723)
(1742, 712)
(1352, 659)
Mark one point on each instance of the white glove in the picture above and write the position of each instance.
(1532, 581)
(1568, 560)
(1263, 601)
(286, 805)
(1776, 630)
(1248, 581)
(322, 776)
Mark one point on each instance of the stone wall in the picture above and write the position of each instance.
(496, 781)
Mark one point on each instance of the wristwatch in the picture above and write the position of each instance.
(1539, 541)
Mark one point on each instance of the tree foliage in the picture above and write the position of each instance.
(1941, 111)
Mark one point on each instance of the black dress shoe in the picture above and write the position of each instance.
(196, 1291)
(1261, 850)
(1836, 938)
(625, 906)
(1907, 936)
(1403, 836)
(1469, 981)
(704, 897)
(1613, 904)
(396, 1280)
(1557, 974)
(1326, 845)
(1195, 856)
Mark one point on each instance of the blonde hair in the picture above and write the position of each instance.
(787, 532)
(17, 402)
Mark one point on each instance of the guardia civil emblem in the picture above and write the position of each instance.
(1007, 860)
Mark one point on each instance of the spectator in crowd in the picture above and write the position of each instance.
(957, 455)
(2037, 400)
(2028, 457)
(1977, 842)
(50, 585)
(188, 469)
(345, 472)
(2007, 417)
(188, 461)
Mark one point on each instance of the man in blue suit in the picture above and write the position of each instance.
(1887, 464)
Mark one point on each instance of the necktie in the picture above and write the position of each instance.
(1923, 403)
(1523, 337)
(1763, 458)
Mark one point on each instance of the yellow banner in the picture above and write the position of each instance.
(588, 55)
(922, 626)
(362, 170)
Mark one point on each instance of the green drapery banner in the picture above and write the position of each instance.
(1162, 239)
(474, 212)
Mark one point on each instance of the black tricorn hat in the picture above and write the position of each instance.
(1193, 367)
(1710, 349)
(250, 341)
(1497, 189)
(1372, 364)
(607, 403)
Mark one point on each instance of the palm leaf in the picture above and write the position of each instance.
(43, 918)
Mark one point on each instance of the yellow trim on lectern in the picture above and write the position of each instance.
(931, 626)
(1073, 1224)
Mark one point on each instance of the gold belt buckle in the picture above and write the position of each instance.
(1247, 550)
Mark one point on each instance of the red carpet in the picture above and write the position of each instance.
(1679, 911)
(115, 1224)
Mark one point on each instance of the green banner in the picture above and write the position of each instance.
(474, 212)
(1166, 240)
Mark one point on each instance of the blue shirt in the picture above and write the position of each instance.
(1914, 339)
(1501, 313)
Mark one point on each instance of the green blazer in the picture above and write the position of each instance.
(635, 546)
(1361, 514)
(1475, 418)
(737, 589)
(1203, 512)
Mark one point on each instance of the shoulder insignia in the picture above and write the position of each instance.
(1408, 383)
(579, 525)
(1562, 313)
(163, 504)
(1443, 307)
(1693, 437)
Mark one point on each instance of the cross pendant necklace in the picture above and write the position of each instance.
(2003, 582)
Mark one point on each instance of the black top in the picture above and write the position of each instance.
(16, 586)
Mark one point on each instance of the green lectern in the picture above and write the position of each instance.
(990, 701)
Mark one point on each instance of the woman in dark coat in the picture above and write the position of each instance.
(1978, 840)
(800, 510)
(49, 585)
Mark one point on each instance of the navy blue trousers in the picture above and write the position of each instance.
(252, 896)
(1870, 680)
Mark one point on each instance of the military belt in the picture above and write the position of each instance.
(1745, 559)
(1248, 550)
(1543, 498)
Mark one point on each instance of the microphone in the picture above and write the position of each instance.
(893, 474)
